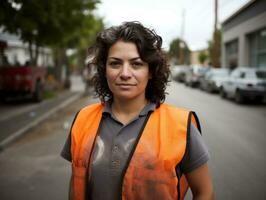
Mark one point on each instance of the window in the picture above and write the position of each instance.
(231, 53)
(257, 50)
(261, 74)
(242, 75)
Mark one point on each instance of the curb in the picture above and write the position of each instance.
(30, 125)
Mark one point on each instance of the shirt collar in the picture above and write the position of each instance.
(150, 107)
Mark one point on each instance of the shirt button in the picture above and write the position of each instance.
(115, 162)
(115, 148)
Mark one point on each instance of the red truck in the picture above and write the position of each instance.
(27, 81)
(20, 81)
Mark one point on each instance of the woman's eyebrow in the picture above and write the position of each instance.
(114, 58)
(131, 59)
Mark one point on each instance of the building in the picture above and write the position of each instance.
(17, 52)
(244, 36)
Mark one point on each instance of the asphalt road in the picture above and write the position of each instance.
(31, 168)
(236, 137)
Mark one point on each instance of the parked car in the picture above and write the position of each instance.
(212, 80)
(26, 81)
(194, 75)
(20, 80)
(179, 72)
(245, 83)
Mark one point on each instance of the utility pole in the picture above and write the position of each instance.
(216, 39)
(181, 43)
(215, 14)
(182, 31)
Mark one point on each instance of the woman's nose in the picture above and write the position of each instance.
(125, 72)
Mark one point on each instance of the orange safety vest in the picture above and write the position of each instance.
(151, 170)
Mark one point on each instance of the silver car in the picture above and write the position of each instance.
(194, 75)
(245, 83)
(212, 80)
(179, 72)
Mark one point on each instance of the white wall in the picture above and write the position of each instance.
(21, 54)
(240, 32)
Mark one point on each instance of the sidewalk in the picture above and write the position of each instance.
(32, 166)
(16, 120)
(15, 125)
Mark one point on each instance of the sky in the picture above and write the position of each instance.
(167, 17)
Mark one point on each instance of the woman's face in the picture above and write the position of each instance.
(127, 75)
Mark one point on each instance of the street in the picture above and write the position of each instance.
(31, 168)
(235, 135)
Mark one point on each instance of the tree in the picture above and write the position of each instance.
(179, 51)
(85, 37)
(41, 22)
(59, 24)
(203, 56)
(214, 49)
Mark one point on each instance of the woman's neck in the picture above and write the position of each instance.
(125, 111)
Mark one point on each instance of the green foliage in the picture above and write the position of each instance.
(211, 47)
(84, 38)
(86, 33)
(176, 46)
(55, 23)
(49, 94)
(202, 57)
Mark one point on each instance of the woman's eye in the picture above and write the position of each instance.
(137, 64)
(114, 64)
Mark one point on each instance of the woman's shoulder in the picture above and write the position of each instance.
(93, 106)
(179, 113)
(173, 108)
(89, 109)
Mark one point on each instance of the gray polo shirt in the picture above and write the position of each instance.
(112, 149)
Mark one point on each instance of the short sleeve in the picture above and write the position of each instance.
(66, 152)
(196, 153)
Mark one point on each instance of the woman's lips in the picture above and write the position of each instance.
(125, 85)
(130, 84)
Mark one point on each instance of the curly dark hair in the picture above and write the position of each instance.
(149, 48)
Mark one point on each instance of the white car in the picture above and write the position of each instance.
(212, 80)
(178, 72)
(194, 75)
(245, 83)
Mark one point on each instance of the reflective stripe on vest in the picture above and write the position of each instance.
(150, 173)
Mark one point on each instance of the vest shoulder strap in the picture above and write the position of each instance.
(85, 127)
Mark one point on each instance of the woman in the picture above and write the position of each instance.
(132, 145)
